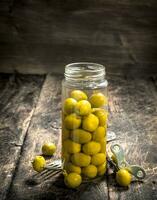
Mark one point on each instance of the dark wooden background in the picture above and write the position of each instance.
(41, 36)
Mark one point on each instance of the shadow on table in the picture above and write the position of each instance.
(111, 180)
(50, 185)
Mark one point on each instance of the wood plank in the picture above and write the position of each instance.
(18, 97)
(143, 50)
(42, 58)
(5, 5)
(73, 31)
(42, 129)
(31, 22)
(40, 21)
(154, 80)
(133, 117)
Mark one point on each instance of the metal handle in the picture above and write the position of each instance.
(137, 171)
(119, 154)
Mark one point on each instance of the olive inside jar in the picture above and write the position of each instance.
(84, 119)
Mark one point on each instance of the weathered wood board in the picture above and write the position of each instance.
(36, 119)
(45, 126)
(131, 103)
(18, 97)
(134, 118)
(42, 36)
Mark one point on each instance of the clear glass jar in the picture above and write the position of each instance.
(84, 119)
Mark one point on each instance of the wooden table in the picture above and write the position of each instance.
(30, 108)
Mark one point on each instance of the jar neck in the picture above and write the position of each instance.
(84, 72)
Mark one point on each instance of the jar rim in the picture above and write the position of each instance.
(84, 70)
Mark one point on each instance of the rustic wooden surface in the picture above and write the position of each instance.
(133, 116)
(18, 98)
(42, 36)
(30, 115)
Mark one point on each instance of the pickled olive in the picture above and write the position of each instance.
(69, 105)
(65, 157)
(72, 121)
(90, 171)
(71, 147)
(102, 116)
(98, 159)
(78, 95)
(102, 169)
(48, 149)
(39, 163)
(103, 146)
(83, 107)
(90, 123)
(98, 100)
(80, 136)
(80, 159)
(99, 134)
(123, 177)
(91, 148)
(73, 168)
(65, 133)
(72, 180)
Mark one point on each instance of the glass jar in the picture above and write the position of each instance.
(84, 119)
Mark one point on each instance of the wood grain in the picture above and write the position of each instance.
(45, 126)
(133, 117)
(18, 97)
(133, 108)
(42, 36)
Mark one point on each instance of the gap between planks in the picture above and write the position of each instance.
(19, 94)
(131, 100)
(21, 146)
(17, 176)
(39, 131)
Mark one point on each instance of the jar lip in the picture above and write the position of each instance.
(84, 70)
